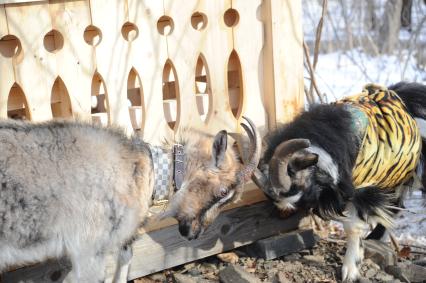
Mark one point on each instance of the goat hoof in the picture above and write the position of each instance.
(350, 273)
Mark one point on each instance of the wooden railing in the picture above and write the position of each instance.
(152, 66)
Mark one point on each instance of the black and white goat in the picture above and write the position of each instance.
(309, 163)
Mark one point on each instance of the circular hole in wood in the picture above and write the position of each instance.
(129, 31)
(165, 25)
(56, 275)
(10, 46)
(231, 17)
(199, 21)
(92, 35)
(53, 41)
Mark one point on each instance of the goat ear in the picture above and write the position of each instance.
(220, 144)
(302, 162)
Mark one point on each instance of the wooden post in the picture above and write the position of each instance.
(283, 60)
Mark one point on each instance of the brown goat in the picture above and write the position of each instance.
(76, 190)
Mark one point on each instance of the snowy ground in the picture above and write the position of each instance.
(411, 224)
(344, 73)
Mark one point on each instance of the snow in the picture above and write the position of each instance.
(410, 226)
(340, 74)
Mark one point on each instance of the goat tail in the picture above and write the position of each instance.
(374, 203)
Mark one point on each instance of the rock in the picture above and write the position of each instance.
(230, 257)
(408, 272)
(370, 273)
(379, 252)
(421, 262)
(182, 278)
(236, 274)
(156, 277)
(397, 272)
(315, 258)
(281, 278)
(292, 257)
(187, 267)
(194, 271)
(207, 267)
(268, 264)
(384, 277)
(144, 280)
(279, 245)
(251, 269)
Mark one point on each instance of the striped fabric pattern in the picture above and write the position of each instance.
(391, 145)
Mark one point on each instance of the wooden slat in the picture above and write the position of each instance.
(250, 57)
(112, 59)
(76, 60)
(165, 248)
(148, 55)
(283, 60)
(6, 67)
(19, 1)
(35, 73)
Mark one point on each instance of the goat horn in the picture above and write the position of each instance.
(260, 180)
(255, 141)
(288, 147)
(278, 177)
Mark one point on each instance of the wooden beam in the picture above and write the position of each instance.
(283, 60)
(165, 248)
(19, 1)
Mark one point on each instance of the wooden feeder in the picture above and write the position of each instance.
(155, 67)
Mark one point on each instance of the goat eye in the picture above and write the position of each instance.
(223, 192)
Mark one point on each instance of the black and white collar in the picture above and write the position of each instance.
(169, 171)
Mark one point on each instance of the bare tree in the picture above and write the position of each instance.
(406, 13)
(389, 30)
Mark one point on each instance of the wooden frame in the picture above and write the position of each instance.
(153, 66)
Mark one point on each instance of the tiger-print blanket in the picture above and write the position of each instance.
(391, 141)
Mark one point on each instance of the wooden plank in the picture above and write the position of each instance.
(148, 53)
(250, 29)
(19, 1)
(283, 60)
(214, 42)
(35, 72)
(6, 65)
(112, 60)
(165, 248)
(252, 194)
(77, 58)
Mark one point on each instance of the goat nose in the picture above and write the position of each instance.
(184, 229)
